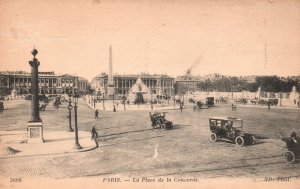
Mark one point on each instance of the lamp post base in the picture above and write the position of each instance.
(77, 146)
(35, 132)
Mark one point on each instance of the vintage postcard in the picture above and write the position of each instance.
(149, 94)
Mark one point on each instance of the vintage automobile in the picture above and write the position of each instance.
(209, 101)
(231, 129)
(293, 148)
(158, 120)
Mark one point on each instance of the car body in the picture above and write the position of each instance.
(229, 128)
(293, 150)
(158, 120)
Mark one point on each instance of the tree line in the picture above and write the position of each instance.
(237, 84)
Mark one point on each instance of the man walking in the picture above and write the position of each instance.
(96, 114)
(194, 106)
(95, 136)
(181, 107)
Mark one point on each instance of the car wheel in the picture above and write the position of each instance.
(239, 141)
(213, 137)
(163, 126)
(289, 157)
(252, 140)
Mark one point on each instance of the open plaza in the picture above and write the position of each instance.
(130, 147)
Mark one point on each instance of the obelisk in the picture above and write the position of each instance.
(110, 91)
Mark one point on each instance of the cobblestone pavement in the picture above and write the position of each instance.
(130, 147)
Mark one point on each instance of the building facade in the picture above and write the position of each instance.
(186, 83)
(158, 84)
(49, 83)
(82, 84)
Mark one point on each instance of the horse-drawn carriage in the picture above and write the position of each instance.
(293, 147)
(158, 120)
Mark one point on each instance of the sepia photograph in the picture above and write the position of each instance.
(150, 94)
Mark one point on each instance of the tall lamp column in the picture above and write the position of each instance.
(70, 114)
(35, 125)
(77, 145)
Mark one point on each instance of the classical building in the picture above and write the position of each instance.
(158, 84)
(49, 83)
(187, 82)
(82, 84)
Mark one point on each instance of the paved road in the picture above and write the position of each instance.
(130, 147)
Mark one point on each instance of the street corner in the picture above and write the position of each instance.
(14, 144)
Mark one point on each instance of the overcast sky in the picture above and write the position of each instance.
(228, 37)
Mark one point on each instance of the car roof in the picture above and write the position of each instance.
(227, 118)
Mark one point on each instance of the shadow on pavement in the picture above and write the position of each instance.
(132, 141)
(136, 131)
(117, 127)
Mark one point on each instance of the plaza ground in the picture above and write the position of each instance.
(129, 146)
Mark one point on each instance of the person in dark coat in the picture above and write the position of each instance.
(96, 114)
(181, 107)
(95, 136)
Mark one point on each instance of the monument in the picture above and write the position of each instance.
(139, 93)
(110, 89)
(13, 93)
(294, 95)
(35, 125)
(258, 93)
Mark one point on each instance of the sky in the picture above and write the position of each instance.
(231, 37)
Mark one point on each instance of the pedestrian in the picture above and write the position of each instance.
(96, 114)
(269, 105)
(114, 107)
(95, 136)
(233, 107)
(194, 106)
(181, 107)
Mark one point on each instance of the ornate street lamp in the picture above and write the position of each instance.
(174, 99)
(151, 102)
(70, 114)
(124, 101)
(94, 99)
(103, 101)
(77, 145)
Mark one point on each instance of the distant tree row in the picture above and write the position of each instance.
(236, 84)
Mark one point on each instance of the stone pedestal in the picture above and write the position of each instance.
(110, 92)
(35, 132)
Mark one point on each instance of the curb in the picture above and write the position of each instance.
(49, 154)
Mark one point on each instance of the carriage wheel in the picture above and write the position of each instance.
(213, 137)
(289, 157)
(163, 126)
(239, 141)
(252, 140)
